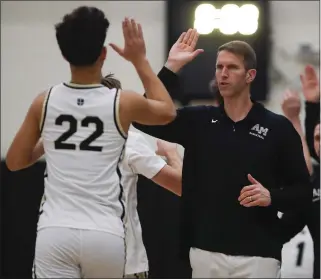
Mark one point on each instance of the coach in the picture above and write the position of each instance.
(242, 165)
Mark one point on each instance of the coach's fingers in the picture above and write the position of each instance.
(197, 52)
(248, 188)
(191, 37)
(251, 201)
(187, 36)
(252, 180)
(249, 193)
(180, 39)
(117, 49)
(195, 40)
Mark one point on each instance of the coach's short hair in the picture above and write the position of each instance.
(81, 35)
(111, 82)
(241, 48)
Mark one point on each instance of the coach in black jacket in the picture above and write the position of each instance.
(242, 165)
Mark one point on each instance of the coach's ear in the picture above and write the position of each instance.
(250, 76)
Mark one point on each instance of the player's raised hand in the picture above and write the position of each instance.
(134, 46)
(183, 51)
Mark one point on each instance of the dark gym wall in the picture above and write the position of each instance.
(21, 193)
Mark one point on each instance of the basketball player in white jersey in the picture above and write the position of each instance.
(84, 126)
(139, 158)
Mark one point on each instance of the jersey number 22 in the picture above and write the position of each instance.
(60, 143)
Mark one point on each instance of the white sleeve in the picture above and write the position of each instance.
(141, 158)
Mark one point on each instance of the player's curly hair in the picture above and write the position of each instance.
(81, 35)
(111, 82)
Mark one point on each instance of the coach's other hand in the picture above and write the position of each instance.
(255, 194)
(183, 51)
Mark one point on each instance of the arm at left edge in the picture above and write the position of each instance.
(23, 150)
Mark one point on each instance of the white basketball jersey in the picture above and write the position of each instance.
(138, 158)
(83, 142)
(298, 256)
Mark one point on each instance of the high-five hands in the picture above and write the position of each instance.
(255, 194)
(183, 51)
(134, 49)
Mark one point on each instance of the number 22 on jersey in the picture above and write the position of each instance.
(86, 144)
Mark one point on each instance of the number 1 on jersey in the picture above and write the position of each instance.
(60, 143)
(300, 247)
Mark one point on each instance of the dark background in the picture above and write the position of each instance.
(195, 77)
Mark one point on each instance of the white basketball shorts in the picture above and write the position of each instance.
(76, 253)
(207, 264)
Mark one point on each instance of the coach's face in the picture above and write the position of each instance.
(231, 75)
(317, 140)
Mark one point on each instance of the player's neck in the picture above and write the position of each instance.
(237, 107)
(86, 75)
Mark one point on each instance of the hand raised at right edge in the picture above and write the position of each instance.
(291, 104)
(310, 84)
(134, 50)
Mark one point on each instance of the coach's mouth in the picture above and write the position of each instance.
(223, 84)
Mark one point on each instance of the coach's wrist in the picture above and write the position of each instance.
(173, 66)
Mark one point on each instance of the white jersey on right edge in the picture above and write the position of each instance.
(83, 142)
(298, 256)
(139, 158)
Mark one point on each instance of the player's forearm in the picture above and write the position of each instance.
(17, 163)
(174, 160)
(154, 87)
(298, 127)
(168, 132)
(37, 153)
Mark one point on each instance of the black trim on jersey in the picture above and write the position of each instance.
(121, 193)
(34, 274)
(43, 199)
(45, 110)
(115, 119)
(80, 87)
(120, 184)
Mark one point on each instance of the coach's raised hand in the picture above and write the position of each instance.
(183, 51)
(134, 49)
